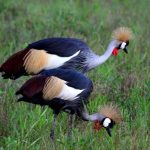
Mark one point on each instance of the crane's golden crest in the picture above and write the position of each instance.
(111, 111)
(52, 88)
(122, 34)
(35, 61)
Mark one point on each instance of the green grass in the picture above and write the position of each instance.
(124, 80)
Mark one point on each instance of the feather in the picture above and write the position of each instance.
(63, 47)
(111, 111)
(52, 88)
(122, 34)
(32, 87)
(13, 66)
(35, 61)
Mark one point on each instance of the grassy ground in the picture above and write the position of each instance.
(124, 80)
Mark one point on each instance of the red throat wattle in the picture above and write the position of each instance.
(115, 52)
(97, 125)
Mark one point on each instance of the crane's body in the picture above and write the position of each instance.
(44, 55)
(75, 90)
(63, 90)
(63, 53)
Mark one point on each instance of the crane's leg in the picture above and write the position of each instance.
(52, 135)
(71, 124)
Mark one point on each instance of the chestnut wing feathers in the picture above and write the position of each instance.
(13, 67)
(32, 87)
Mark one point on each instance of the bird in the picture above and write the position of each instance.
(61, 52)
(66, 90)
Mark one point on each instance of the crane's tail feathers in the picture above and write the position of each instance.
(111, 111)
(13, 67)
(122, 34)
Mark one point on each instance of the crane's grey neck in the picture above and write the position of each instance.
(85, 116)
(98, 60)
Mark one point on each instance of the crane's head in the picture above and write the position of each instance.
(111, 116)
(122, 36)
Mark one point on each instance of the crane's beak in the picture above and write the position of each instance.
(125, 50)
(108, 131)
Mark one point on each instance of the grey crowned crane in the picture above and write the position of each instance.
(53, 53)
(66, 90)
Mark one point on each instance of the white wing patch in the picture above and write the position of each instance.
(55, 61)
(69, 93)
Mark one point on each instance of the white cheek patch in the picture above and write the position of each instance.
(106, 122)
(123, 45)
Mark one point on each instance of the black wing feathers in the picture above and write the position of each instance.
(64, 47)
(74, 79)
